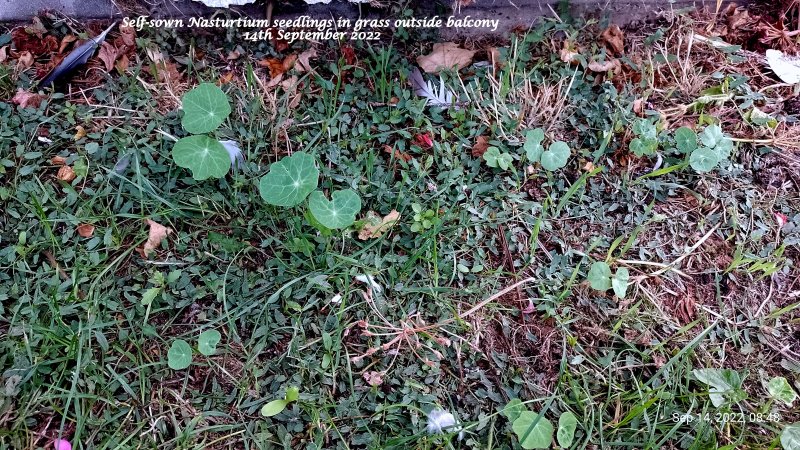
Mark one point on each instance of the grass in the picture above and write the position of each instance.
(489, 303)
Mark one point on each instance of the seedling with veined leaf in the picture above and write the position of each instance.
(646, 140)
(179, 355)
(553, 158)
(534, 431)
(275, 407)
(205, 108)
(496, 158)
(716, 147)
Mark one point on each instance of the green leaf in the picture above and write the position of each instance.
(290, 180)
(779, 389)
(556, 156)
(150, 295)
(641, 146)
(205, 157)
(513, 409)
(179, 355)
(540, 435)
(340, 212)
(685, 140)
(273, 408)
(491, 155)
(704, 159)
(645, 129)
(292, 394)
(724, 385)
(204, 108)
(790, 437)
(567, 423)
(533, 144)
(712, 135)
(207, 342)
(599, 276)
(620, 282)
(504, 161)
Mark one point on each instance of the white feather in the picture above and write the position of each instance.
(442, 97)
(786, 67)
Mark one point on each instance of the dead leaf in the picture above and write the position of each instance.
(445, 56)
(233, 55)
(349, 55)
(376, 226)
(127, 36)
(27, 99)
(480, 146)
(3, 54)
(157, 234)
(65, 173)
(278, 66)
(85, 230)
(122, 64)
(289, 83)
(638, 106)
(569, 53)
(79, 132)
(589, 166)
(614, 40)
(495, 58)
(24, 41)
(107, 54)
(611, 64)
(373, 378)
(58, 160)
(65, 41)
(424, 140)
(397, 153)
(225, 79)
(24, 60)
(303, 63)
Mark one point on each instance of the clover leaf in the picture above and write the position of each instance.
(533, 436)
(556, 156)
(685, 140)
(790, 437)
(533, 145)
(599, 276)
(339, 212)
(179, 355)
(207, 342)
(290, 180)
(205, 157)
(204, 108)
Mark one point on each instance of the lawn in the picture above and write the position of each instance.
(586, 237)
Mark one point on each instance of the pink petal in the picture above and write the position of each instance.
(62, 444)
(781, 219)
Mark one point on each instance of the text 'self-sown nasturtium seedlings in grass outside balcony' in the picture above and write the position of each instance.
(205, 108)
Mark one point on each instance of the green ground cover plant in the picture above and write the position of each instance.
(550, 257)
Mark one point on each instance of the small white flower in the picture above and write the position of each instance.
(441, 421)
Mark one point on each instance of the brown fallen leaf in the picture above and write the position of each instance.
(27, 99)
(569, 53)
(107, 54)
(24, 60)
(278, 66)
(58, 160)
(65, 41)
(122, 64)
(127, 36)
(226, 78)
(446, 55)
(611, 64)
(373, 378)
(157, 234)
(24, 41)
(85, 230)
(3, 53)
(375, 226)
(79, 132)
(614, 40)
(65, 173)
(303, 63)
(397, 153)
(480, 146)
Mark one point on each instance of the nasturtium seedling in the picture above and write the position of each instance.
(339, 212)
(533, 436)
(513, 409)
(790, 437)
(205, 108)
(290, 180)
(716, 147)
(179, 355)
(567, 423)
(533, 144)
(276, 406)
(205, 157)
(685, 140)
(556, 156)
(724, 385)
(495, 158)
(599, 276)
(704, 159)
(207, 342)
(646, 142)
(620, 282)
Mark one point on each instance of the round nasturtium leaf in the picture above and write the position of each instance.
(556, 156)
(204, 109)
(339, 212)
(790, 437)
(567, 423)
(290, 180)
(620, 282)
(179, 355)
(704, 159)
(780, 389)
(685, 140)
(537, 436)
(533, 144)
(599, 276)
(207, 342)
(205, 157)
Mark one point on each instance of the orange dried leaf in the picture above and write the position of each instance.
(107, 54)
(79, 132)
(445, 55)
(65, 41)
(65, 173)
(85, 230)
(397, 153)
(614, 39)
(157, 234)
(58, 160)
(480, 146)
(376, 226)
